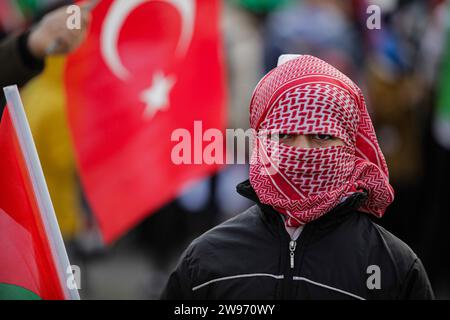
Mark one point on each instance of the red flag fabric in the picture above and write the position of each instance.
(146, 69)
(27, 265)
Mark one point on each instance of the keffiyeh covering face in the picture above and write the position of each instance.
(307, 96)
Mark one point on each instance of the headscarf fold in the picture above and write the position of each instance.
(307, 96)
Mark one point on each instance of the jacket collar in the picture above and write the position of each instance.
(335, 216)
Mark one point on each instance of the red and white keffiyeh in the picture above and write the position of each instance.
(308, 96)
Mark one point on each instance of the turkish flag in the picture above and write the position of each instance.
(146, 69)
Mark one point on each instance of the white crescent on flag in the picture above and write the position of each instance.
(118, 14)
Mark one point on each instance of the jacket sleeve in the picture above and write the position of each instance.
(179, 285)
(18, 65)
(416, 285)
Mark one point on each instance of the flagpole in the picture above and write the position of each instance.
(28, 148)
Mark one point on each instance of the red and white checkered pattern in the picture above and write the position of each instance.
(308, 96)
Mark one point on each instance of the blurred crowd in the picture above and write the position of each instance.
(403, 68)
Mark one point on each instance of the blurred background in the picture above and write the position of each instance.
(402, 67)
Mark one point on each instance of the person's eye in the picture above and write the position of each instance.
(285, 136)
(322, 137)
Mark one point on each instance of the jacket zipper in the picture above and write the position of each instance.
(290, 269)
(292, 246)
(291, 263)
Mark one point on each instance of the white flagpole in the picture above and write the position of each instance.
(33, 165)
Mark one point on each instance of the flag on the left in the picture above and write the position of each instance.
(33, 259)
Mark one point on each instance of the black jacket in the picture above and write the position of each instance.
(17, 64)
(341, 255)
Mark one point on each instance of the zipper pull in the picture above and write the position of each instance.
(292, 245)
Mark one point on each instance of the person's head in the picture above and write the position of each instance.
(325, 147)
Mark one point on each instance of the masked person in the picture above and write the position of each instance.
(317, 186)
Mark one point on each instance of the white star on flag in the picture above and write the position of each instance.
(156, 97)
